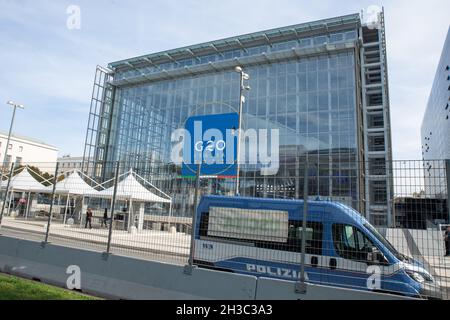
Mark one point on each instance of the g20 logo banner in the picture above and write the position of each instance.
(212, 142)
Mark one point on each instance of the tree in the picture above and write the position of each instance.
(43, 177)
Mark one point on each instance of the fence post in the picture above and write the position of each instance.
(6, 193)
(300, 287)
(447, 170)
(113, 204)
(188, 269)
(55, 179)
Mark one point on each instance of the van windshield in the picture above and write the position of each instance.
(385, 242)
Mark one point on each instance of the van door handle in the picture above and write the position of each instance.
(333, 264)
(314, 262)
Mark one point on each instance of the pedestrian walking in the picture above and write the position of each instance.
(105, 218)
(447, 242)
(88, 218)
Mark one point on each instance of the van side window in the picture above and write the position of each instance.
(351, 243)
(313, 235)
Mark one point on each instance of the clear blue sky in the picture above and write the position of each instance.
(50, 69)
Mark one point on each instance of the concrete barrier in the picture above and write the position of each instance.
(120, 277)
(272, 289)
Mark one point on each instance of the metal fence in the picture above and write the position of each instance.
(310, 222)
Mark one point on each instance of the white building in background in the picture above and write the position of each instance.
(28, 151)
(68, 163)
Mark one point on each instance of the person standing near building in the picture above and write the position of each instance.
(22, 204)
(88, 218)
(447, 242)
(105, 218)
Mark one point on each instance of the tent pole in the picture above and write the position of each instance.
(82, 207)
(80, 216)
(65, 211)
(111, 203)
(130, 213)
(28, 206)
(10, 200)
(59, 203)
(170, 215)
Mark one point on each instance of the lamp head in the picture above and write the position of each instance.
(12, 103)
(238, 69)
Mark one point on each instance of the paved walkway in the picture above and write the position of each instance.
(158, 244)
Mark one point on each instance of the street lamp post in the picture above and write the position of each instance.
(242, 87)
(15, 106)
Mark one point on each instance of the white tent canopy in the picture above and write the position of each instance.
(74, 185)
(130, 188)
(25, 182)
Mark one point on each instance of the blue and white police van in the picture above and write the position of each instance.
(262, 237)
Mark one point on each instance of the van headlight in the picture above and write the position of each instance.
(419, 277)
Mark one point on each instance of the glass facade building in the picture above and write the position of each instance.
(308, 81)
(436, 125)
